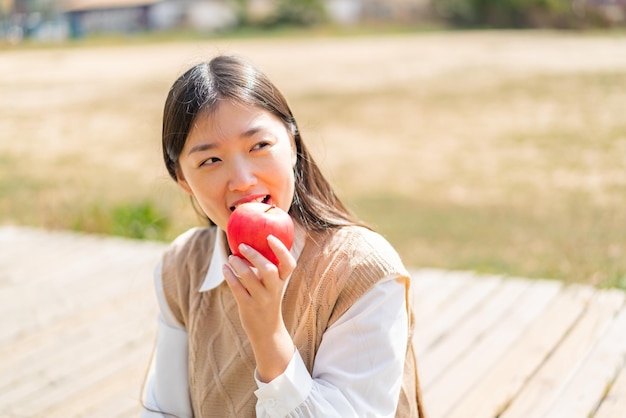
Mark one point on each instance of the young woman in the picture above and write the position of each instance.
(325, 333)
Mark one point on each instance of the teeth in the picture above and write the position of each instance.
(261, 199)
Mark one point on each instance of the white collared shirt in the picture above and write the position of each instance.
(357, 371)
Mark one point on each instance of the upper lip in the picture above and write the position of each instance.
(247, 199)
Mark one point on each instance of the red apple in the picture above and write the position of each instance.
(251, 223)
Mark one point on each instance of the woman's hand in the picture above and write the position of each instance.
(257, 285)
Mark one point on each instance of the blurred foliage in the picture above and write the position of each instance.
(584, 247)
(142, 220)
(298, 13)
(286, 13)
(522, 13)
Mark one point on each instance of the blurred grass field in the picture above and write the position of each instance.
(499, 152)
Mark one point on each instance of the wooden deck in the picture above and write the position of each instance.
(77, 323)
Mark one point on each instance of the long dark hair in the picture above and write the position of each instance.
(198, 91)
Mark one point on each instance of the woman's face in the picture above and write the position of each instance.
(237, 154)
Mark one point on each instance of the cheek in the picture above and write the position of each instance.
(204, 195)
(215, 212)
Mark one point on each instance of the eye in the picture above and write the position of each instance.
(261, 145)
(209, 161)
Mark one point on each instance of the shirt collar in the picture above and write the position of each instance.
(214, 276)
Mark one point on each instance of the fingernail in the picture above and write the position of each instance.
(243, 247)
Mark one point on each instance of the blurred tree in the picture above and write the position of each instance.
(298, 13)
(508, 13)
(242, 11)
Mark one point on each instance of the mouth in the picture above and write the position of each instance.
(259, 199)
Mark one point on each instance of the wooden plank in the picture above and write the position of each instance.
(85, 380)
(13, 243)
(51, 250)
(68, 361)
(425, 280)
(526, 339)
(36, 342)
(57, 254)
(431, 300)
(60, 373)
(22, 370)
(24, 277)
(471, 368)
(487, 345)
(117, 389)
(587, 388)
(131, 411)
(58, 307)
(110, 305)
(94, 283)
(543, 388)
(614, 404)
(451, 313)
(458, 340)
(126, 401)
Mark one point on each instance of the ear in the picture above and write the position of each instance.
(180, 179)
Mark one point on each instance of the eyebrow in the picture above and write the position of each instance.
(201, 147)
(205, 146)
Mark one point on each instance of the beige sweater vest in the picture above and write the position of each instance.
(333, 271)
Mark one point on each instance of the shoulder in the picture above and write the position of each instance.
(183, 268)
(191, 240)
(193, 236)
(363, 236)
(187, 258)
(352, 261)
(363, 244)
(358, 249)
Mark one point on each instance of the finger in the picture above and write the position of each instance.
(239, 265)
(246, 273)
(238, 289)
(266, 268)
(286, 262)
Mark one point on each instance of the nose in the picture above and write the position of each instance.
(242, 176)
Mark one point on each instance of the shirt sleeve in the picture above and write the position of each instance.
(358, 367)
(166, 390)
